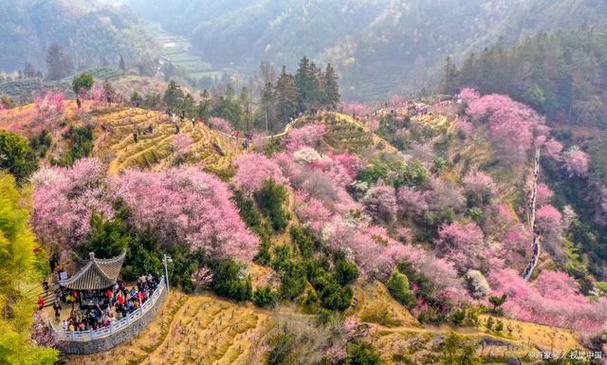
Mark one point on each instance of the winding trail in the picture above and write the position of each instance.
(537, 238)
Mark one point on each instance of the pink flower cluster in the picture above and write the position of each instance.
(187, 206)
(554, 300)
(511, 123)
(221, 124)
(65, 199)
(253, 170)
(307, 136)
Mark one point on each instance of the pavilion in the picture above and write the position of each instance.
(94, 274)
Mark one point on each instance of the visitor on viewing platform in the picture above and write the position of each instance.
(101, 308)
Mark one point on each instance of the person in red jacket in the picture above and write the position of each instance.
(40, 303)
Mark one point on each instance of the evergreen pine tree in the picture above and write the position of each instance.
(449, 77)
(307, 85)
(173, 96)
(287, 95)
(330, 87)
(268, 104)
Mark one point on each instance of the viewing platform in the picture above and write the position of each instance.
(103, 339)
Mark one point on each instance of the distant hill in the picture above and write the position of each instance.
(91, 34)
(379, 46)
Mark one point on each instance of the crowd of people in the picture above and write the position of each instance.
(91, 310)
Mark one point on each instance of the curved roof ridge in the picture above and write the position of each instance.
(96, 273)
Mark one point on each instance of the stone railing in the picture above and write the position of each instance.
(103, 339)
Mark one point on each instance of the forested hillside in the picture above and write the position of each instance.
(91, 35)
(563, 74)
(379, 47)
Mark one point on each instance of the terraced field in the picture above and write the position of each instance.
(116, 144)
(205, 329)
(345, 133)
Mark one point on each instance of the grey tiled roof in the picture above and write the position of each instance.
(96, 274)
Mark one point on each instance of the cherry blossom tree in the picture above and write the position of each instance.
(312, 212)
(253, 169)
(462, 244)
(553, 149)
(464, 126)
(64, 200)
(468, 95)
(50, 108)
(181, 144)
(187, 206)
(512, 124)
(549, 221)
(411, 202)
(544, 195)
(221, 124)
(479, 188)
(553, 300)
(380, 202)
(577, 162)
(309, 135)
(356, 109)
(445, 194)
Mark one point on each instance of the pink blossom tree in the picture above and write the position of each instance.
(309, 135)
(445, 194)
(253, 169)
(553, 300)
(462, 244)
(312, 212)
(468, 95)
(221, 124)
(464, 126)
(577, 162)
(544, 195)
(549, 221)
(50, 108)
(512, 124)
(187, 206)
(380, 202)
(411, 202)
(64, 200)
(181, 144)
(479, 188)
(553, 149)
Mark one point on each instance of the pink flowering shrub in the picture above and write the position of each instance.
(312, 211)
(544, 195)
(553, 149)
(512, 124)
(464, 126)
(373, 125)
(411, 202)
(553, 300)
(445, 194)
(50, 108)
(221, 124)
(307, 136)
(469, 95)
(577, 162)
(462, 244)
(380, 202)
(549, 221)
(182, 143)
(356, 109)
(64, 200)
(253, 169)
(479, 188)
(187, 206)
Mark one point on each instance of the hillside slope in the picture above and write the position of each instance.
(379, 47)
(89, 32)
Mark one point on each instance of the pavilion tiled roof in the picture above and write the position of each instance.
(95, 274)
